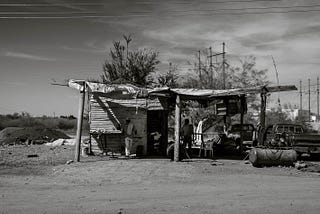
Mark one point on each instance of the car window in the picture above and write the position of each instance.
(280, 129)
(235, 128)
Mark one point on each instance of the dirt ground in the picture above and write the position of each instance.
(45, 184)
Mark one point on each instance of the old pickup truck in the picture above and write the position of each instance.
(294, 136)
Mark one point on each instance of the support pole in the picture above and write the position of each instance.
(263, 96)
(79, 123)
(243, 102)
(177, 130)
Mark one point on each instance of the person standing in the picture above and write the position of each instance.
(128, 132)
(186, 133)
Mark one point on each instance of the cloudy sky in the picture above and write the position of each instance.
(42, 40)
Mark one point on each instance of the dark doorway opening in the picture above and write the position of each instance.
(157, 129)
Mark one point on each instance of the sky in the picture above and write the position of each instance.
(42, 41)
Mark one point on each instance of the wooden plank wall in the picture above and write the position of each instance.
(107, 119)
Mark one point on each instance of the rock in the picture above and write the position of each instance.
(58, 142)
(300, 165)
(216, 163)
(33, 156)
(69, 161)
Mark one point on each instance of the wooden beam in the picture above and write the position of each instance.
(263, 106)
(279, 88)
(60, 84)
(242, 106)
(79, 123)
(177, 129)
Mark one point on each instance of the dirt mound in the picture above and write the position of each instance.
(38, 135)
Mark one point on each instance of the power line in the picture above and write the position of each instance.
(49, 4)
(182, 11)
(151, 15)
(248, 8)
(214, 2)
(100, 14)
(139, 2)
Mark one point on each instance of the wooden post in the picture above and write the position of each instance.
(242, 102)
(263, 96)
(177, 129)
(79, 123)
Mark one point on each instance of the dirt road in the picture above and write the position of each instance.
(158, 186)
(98, 185)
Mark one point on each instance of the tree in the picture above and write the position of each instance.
(134, 67)
(244, 75)
(170, 78)
(247, 75)
(274, 116)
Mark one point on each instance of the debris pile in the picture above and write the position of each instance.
(29, 135)
(307, 166)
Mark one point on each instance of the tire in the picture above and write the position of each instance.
(170, 152)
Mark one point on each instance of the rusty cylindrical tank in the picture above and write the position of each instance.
(272, 157)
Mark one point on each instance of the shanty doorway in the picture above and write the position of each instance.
(157, 129)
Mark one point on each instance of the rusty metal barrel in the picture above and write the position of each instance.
(272, 157)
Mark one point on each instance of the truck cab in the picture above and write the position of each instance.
(292, 136)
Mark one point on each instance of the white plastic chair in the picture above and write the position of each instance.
(207, 146)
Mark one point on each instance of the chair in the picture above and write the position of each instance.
(207, 146)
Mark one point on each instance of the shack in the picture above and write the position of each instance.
(110, 105)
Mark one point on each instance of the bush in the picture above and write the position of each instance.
(25, 120)
(67, 124)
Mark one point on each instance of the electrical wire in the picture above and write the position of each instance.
(249, 8)
(208, 10)
(138, 2)
(101, 14)
(49, 4)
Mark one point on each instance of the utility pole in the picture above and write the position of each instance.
(309, 100)
(318, 98)
(300, 95)
(223, 65)
(211, 70)
(300, 115)
(199, 64)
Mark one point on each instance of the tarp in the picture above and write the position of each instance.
(191, 93)
(185, 93)
(124, 89)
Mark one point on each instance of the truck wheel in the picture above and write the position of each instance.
(170, 152)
